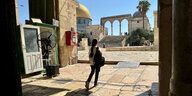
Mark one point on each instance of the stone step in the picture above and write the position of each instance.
(112, 41)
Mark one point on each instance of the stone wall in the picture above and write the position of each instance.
(95, 32)
(84, 44)
(138, 23)
(112, 41)
(133, 48)
(67, 18)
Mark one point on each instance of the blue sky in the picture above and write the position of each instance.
(23, 12)
(101, 8)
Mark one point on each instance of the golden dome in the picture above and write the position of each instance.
(82, 12)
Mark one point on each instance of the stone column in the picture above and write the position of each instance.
(129, 27)
(104, 30)
(120, 29)
(181, 80)
(165, 46)
(67, 54)
(111, 28)
(84, 44)
(156, 31)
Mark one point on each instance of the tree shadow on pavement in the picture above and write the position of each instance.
(79, 92)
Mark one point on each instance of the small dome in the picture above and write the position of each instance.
(137, 14)
(82, 12)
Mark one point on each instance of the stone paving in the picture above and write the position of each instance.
(141, 81)
(140, 56)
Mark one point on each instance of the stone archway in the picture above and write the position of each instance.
(119, 18)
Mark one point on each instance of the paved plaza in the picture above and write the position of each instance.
(138, 56)
(141, 81)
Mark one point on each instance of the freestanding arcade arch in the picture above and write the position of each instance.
(134, 22)
(119, 18)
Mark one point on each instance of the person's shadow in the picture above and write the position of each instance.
(79, 92)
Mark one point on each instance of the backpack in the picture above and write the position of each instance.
(99, 60)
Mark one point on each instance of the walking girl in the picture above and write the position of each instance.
(95, 68)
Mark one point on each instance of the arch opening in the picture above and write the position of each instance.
(108, 26)
(116, 28)
(124, 27)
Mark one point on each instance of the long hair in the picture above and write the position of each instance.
(93, 44)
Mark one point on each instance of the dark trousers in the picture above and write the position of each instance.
(93, 70)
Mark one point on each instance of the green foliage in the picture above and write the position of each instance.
(143, 7)
(140, 37)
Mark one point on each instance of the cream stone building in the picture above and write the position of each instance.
(137, 22)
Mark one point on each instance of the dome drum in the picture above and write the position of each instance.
(137, 14)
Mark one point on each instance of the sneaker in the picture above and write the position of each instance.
(87, 85)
